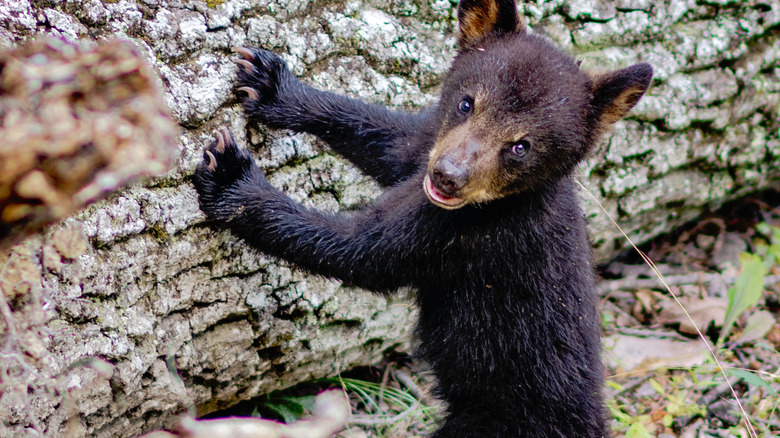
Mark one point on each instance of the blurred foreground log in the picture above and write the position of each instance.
(330, 413)
(75, 123)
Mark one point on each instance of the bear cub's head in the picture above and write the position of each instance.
(515, 111)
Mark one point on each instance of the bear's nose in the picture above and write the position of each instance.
(448, 176)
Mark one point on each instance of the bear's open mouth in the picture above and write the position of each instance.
(439, 198)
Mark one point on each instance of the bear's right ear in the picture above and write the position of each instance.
(479, 18)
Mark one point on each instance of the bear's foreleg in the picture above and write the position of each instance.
(382, 143)
(363, 248)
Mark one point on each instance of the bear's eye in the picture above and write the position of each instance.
(465, 105)
(521, 148)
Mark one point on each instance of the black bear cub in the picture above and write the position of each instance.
(480, 217)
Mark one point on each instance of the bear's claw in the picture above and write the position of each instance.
(226, 177)
(224, 159)
(248, 66)
(246, 52)
(251, 93)
(212, 165)
(222, 135)
(260, 75)
(225, 169)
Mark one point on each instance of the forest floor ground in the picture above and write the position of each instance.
(662, 379)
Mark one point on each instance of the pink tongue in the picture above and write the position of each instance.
(435, 193)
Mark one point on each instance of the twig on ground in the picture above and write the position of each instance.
(608, 286)
(383, 384)
(376, 420)
(714, 394)
(651, 333)
(407, 381)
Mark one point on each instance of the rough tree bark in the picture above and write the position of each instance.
(93, 337)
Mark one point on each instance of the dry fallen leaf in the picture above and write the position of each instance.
(626, 353)
(643, 308)
(702, 311)
(757, 326)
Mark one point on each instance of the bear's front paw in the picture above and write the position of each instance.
(226, 178)
(260, 75)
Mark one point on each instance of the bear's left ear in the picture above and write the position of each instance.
(479, 18)
(615, 93)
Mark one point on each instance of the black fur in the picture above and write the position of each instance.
(508, 309)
